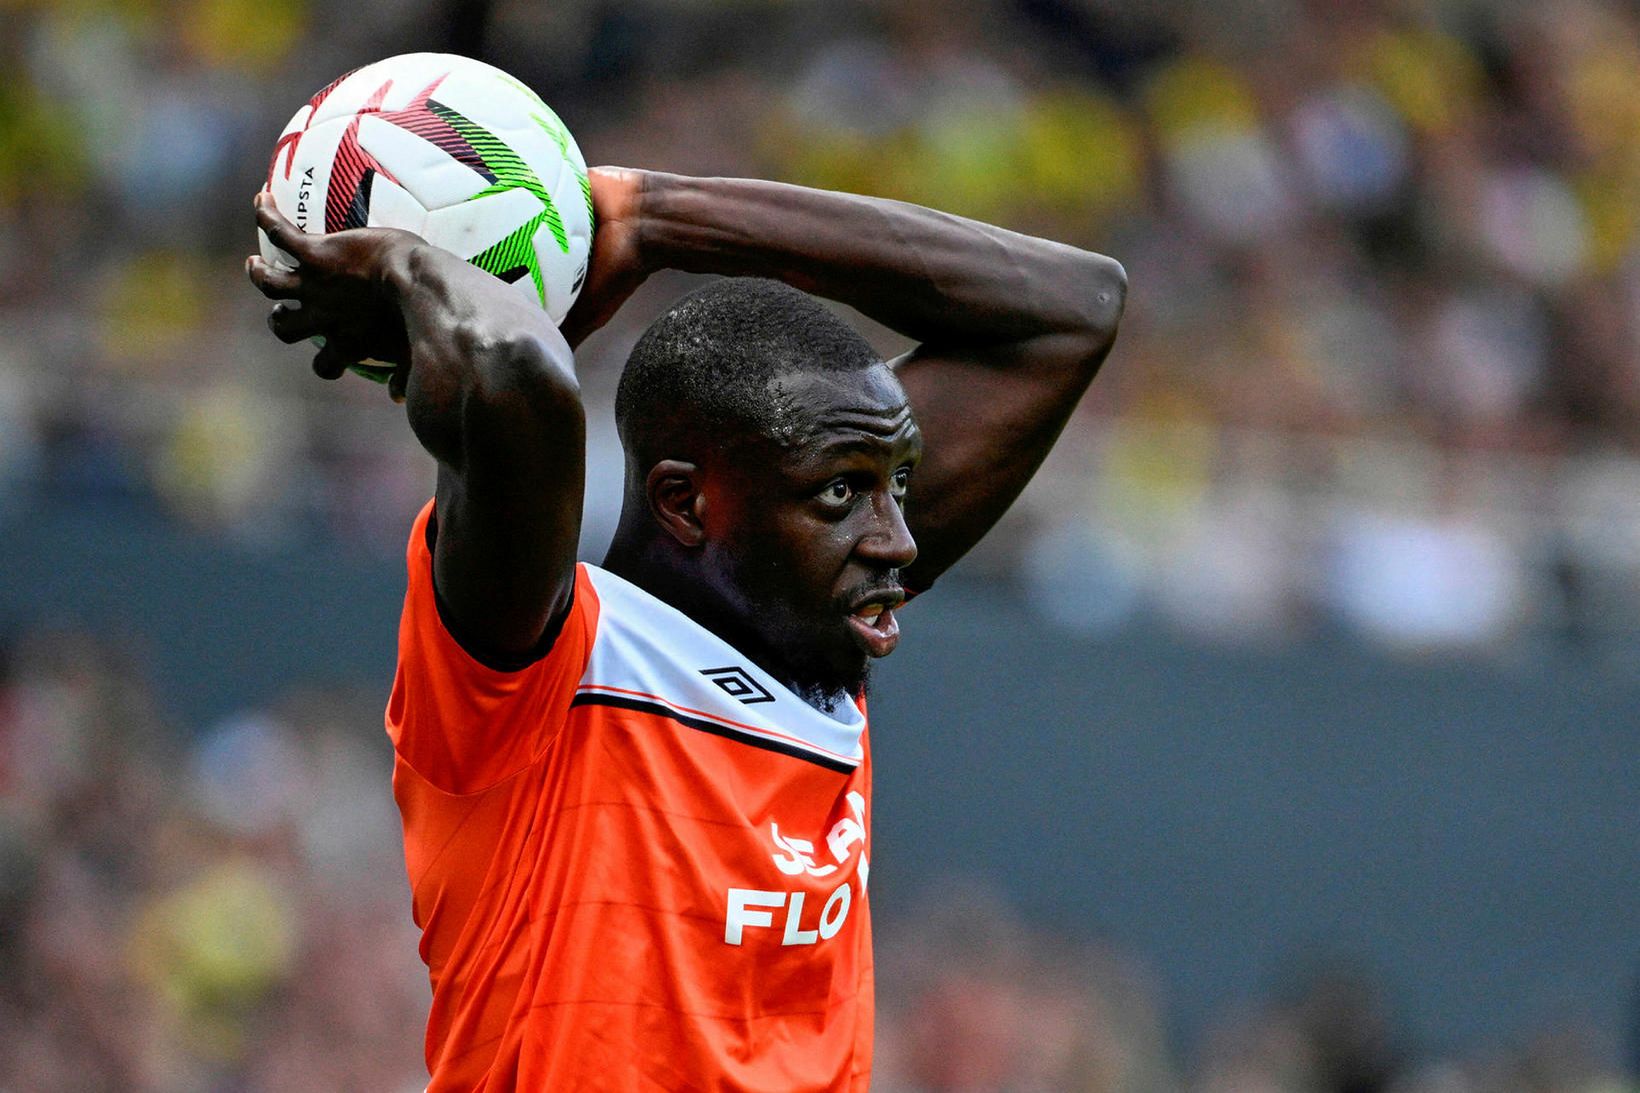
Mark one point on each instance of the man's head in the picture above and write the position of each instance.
(768, 451)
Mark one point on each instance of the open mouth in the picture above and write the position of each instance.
(874, 627)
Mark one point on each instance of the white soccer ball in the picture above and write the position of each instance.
(450, 148)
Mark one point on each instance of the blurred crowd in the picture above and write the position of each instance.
(1379, 371)
(222, 911)
(227, 911)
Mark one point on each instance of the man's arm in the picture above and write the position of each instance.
(490, 391)
(1012, 328)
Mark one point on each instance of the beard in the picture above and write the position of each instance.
(827, 695)
(804, 645)
(809, 654)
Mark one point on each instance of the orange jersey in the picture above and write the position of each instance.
(638, 863)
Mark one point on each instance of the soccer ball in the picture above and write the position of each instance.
(452, 149)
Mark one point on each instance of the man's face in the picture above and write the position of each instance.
(809, 552)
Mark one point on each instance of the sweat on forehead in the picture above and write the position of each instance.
(709, 365)
(822, 407)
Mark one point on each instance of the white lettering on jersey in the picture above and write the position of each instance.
(794, 919)
(795, 857)
(741, 915)
(839, 902)
(849, 830)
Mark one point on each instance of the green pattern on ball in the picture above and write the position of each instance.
(524, 88)
(517, 250)
(554, 128)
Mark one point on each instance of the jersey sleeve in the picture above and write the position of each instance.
(463, 725)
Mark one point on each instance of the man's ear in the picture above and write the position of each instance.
(677, 497)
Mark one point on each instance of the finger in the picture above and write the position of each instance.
(292, 323)
(281, 232)
(575, 328)
(330, 362)
(271, 281)
(399, 382)
(601, 297)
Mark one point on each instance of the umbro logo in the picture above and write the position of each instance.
(737, 684)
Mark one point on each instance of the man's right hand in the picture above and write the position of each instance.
(344, 289)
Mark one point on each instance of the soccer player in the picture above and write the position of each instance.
(637, 797)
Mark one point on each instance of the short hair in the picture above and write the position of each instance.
(705, 367)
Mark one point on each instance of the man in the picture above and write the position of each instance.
(636, 798)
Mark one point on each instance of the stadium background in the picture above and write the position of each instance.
(1283, 739)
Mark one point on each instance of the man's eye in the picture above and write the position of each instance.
(838, 493)
(901, 481)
